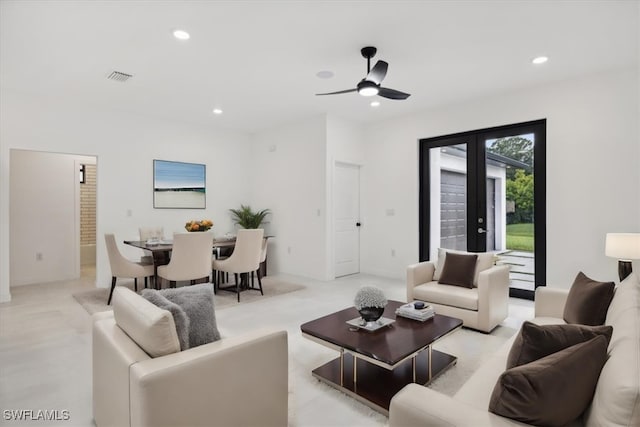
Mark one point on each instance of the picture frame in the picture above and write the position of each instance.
(179, 185)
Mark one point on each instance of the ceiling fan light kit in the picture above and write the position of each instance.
(367, 88)
(370, 85)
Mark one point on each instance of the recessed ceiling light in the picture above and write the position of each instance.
(324, 74)
(375, 103)
(181, 35)
(539, 60)
(217, 111)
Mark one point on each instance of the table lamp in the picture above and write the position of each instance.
(624, 247)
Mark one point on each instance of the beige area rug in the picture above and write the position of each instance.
(95, 300)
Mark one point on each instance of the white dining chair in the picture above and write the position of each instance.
(190, 258)
(124, 268)
(244, 260)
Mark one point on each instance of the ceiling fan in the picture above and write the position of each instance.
(370, 85)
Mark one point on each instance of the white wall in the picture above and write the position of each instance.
(593, 178)
(125, 146)
(288, 177)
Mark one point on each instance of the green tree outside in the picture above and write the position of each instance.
(520, 190)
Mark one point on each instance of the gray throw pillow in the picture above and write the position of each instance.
(534, 342)
(197, 302)
(588, 301)
(458, 270)
(180, 318)
(554, 390)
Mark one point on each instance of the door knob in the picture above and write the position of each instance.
(481, 230)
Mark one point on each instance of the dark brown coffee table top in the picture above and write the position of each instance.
(389, 345)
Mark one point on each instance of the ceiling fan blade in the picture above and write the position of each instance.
(337, 93)
(392, 93)
(378, 72)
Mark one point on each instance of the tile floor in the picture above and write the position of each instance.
(45, 347)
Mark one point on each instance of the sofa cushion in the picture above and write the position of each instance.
(454, 296)
(616, 401)
(197, 303)
(534, 342)
(484, 262)
(180, 318)
(149, 326)
(554, 390)
(458, 270)
(588, 301)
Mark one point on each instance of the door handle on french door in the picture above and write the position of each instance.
(357, 224)
(481, 230)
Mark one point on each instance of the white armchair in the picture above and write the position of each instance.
(201, 386)
(482, 307)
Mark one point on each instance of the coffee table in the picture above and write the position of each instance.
(374, 366)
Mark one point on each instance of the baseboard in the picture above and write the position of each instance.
(5, 297)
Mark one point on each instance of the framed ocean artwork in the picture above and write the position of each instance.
(179, 185)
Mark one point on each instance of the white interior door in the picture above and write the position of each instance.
(346, 212)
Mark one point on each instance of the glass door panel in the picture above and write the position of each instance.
(510, 165)
(452, 170)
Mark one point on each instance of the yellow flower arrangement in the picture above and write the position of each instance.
(202, 225)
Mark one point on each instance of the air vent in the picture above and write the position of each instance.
(119, 76)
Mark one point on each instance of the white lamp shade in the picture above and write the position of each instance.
(623, 245)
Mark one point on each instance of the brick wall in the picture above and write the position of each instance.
(88, 207)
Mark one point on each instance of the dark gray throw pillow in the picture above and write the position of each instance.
(196, 306)
(554, 390)
(180, 318)
(458, 270)
(197, 302)
(588, 301)
(534, 342)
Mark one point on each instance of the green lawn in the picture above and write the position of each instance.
(520, 237)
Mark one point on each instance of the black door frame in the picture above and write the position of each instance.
(476, 192)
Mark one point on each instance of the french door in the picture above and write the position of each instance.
(484, 191)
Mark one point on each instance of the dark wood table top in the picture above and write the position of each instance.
(389, 345)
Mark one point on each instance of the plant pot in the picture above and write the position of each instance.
(371, 314)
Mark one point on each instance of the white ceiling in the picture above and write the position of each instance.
(257, 60)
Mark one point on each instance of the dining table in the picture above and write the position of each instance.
(161, 252)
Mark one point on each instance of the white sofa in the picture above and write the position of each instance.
(236, 381)
(482, 307)
(616, 402)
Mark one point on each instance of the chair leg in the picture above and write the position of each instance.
(252, 281)
(145, 282)
(259, 280)
(135, 283)
(237, 286)
(172, 283)
(113, 285)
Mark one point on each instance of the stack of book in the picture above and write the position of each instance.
(409, 311)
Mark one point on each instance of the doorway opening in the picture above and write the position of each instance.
(52, 216)
(484, 191)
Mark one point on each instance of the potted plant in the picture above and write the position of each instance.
(245, 217)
